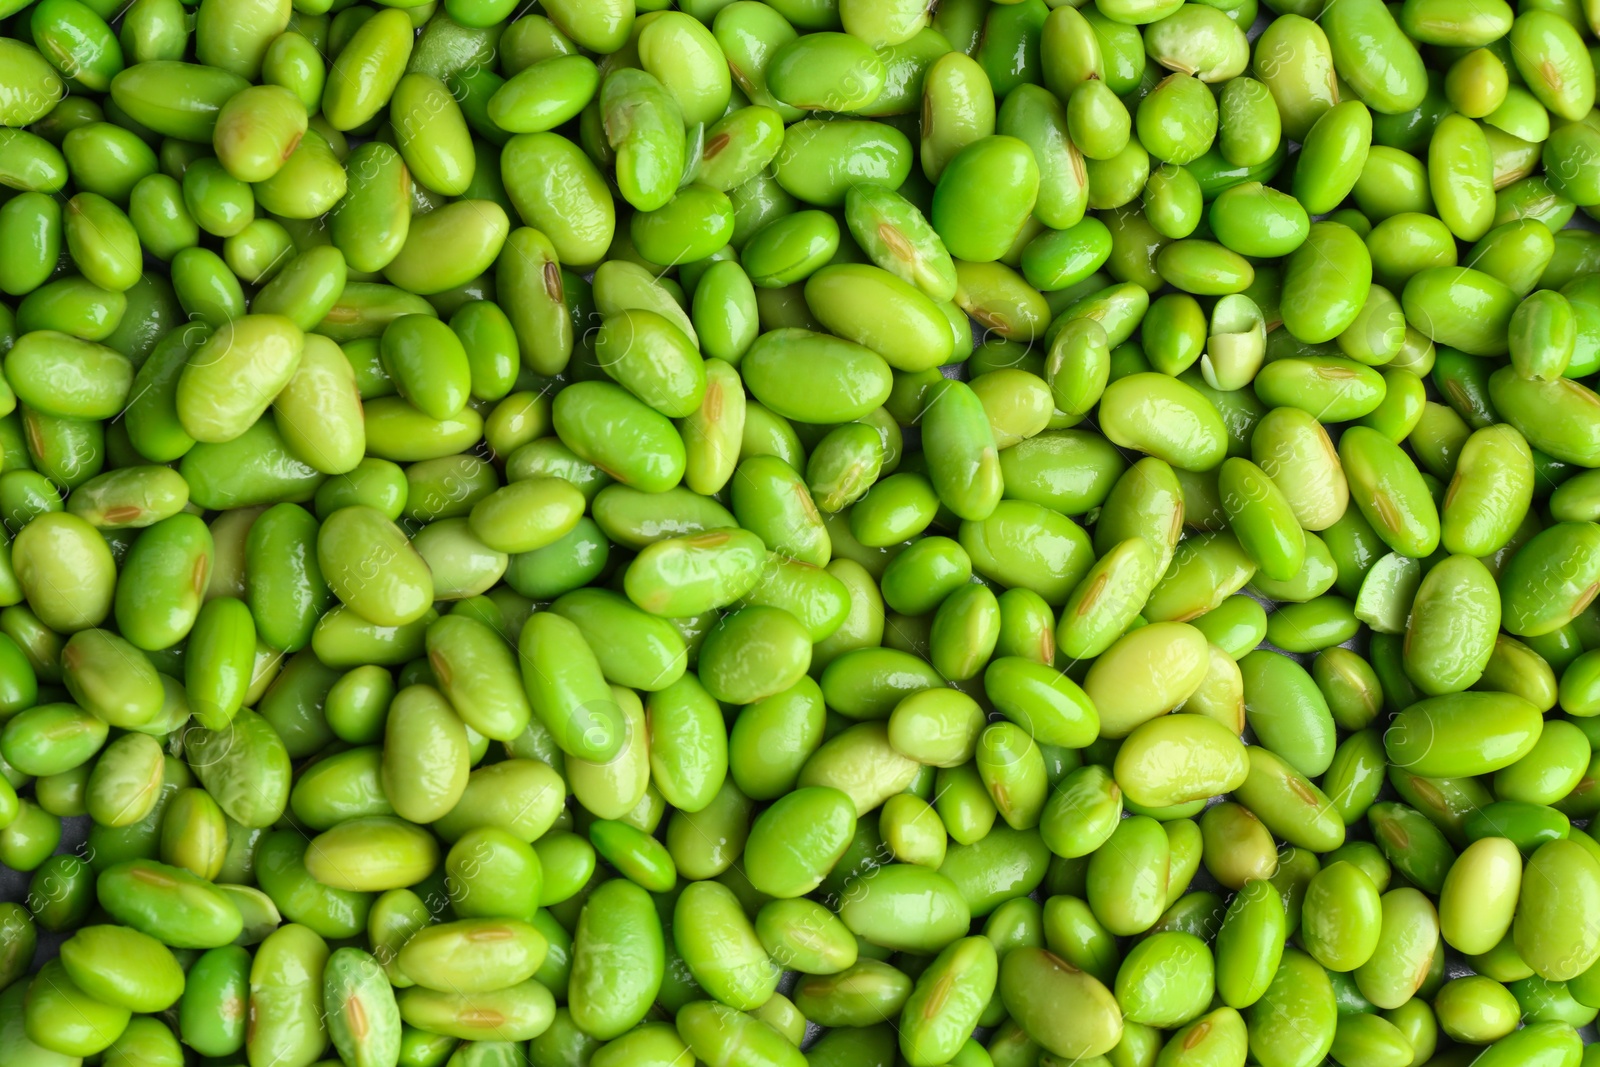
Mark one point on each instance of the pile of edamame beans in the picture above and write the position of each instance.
(805, 533)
